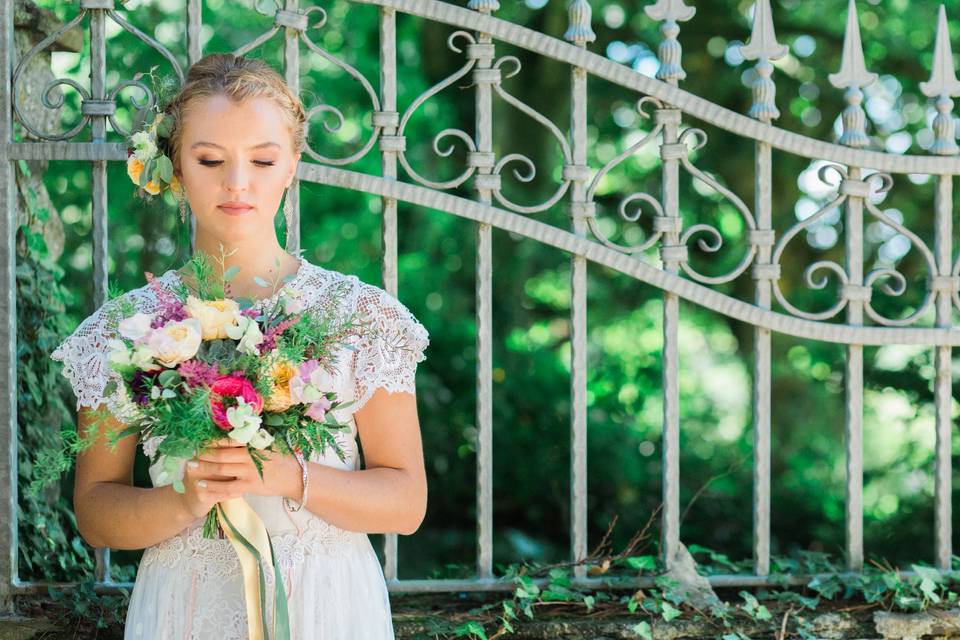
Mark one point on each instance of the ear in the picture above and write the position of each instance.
(293, 169)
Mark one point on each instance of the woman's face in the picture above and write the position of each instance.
(235, 153)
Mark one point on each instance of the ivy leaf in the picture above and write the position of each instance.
(642, 563)
(668, 611)
(642, 629)
(929, 578)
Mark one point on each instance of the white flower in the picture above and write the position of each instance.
(144, 146)
(171, 470)
(244, 421)
(121, 358)
(175, 342)
(136, 326)
(261, 439)
(247, 331)
(292, 301)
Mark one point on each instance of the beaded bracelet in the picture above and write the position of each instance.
(306, 483)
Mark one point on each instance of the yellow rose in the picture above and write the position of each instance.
(281, 372)
(214, 316)
(134, 169)
(176, 187)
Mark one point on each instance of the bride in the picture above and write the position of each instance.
(236, 139)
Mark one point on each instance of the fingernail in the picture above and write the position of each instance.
(193, 464)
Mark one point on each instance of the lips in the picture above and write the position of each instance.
(235, 209)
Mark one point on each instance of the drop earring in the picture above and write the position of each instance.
(288, 210)
(183, 209)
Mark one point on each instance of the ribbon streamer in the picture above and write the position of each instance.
(248, 535)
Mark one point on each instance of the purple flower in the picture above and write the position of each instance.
(140, 386)
(197, 373)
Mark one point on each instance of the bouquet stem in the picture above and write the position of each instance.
(211, 526)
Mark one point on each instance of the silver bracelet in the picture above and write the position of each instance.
(305, 477)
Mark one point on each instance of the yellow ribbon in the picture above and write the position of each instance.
(248, 535)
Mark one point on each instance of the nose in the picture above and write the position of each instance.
(236, 177)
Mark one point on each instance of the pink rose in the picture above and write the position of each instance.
(232, 386)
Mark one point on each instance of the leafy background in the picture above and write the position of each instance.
(340, 230)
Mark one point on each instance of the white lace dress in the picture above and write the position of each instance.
(189, 587)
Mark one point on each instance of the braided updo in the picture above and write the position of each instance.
(238, 78)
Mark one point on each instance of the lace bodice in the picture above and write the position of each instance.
(386, 355)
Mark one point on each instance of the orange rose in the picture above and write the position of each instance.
(134, 170)
(281, 372)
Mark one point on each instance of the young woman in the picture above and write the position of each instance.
(237, 135)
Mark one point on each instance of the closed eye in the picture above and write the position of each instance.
(214, 163)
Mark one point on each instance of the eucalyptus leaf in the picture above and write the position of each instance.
(231, 273)
(165, 168)
(260, 281)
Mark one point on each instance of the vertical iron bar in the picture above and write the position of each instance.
(578, 326)
(484, 305)
(98, 169)
(853, 232)
(670, 251)
(291, 62)
(8, 361)
(194, 53)
(389, 119)
(762, 366)
(943, 384)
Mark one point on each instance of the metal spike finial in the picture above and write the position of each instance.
(670, 52)
(852, 76)
(943, 79)
(670, 10)
(580, 31)
(763, 47)
(483, 6)
(853, 70)
(942, 85)
(763, 39)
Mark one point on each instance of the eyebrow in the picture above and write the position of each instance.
(212, 144)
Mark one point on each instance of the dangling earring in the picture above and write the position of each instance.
(288, 209)
(183, 209)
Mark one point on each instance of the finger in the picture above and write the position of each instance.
(218, 470)
(225, 454)
(227, 442)
(217, 490)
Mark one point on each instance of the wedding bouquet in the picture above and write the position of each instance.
(204, 365)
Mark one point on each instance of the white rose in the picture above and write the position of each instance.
(247, 331)
(136, 326)
(261, 439)
(175, 341)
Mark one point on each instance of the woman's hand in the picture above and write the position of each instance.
(229, 472)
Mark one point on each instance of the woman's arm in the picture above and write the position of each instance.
(390, 494)
(110, 511)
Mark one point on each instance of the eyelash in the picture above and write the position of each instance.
(213, 163)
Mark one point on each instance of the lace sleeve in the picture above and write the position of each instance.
(85, 366)
(388, 352)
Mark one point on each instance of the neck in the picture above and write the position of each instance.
(254, 257)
